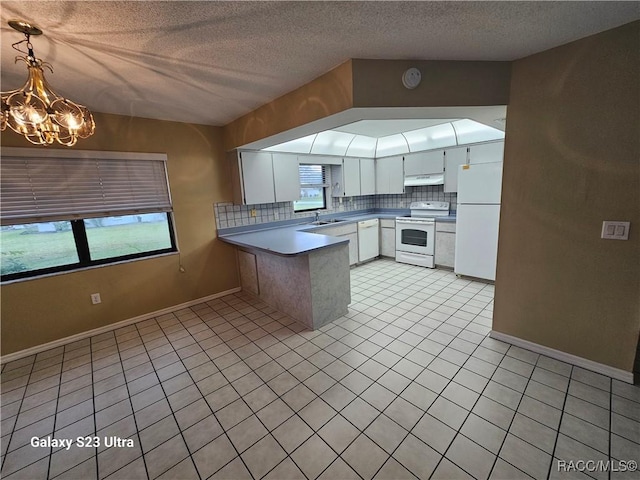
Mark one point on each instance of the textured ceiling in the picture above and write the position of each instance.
(211, 62)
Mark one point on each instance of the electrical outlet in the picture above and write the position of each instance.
(615, 230)
(276, 215)
(95, 298)
(253, 213)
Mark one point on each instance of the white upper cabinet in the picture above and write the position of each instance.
(390, 175)
(486, 152)
(423, 163)
(453, 158)
(257, 178)
(367, 176)
(351, 176)
(263, 177)
(286, 177)
(345, 178)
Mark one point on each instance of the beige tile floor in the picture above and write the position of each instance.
(407, 385)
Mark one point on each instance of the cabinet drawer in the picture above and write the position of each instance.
(388, 223)
(446, 227)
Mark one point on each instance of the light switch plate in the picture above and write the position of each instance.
(615, 230)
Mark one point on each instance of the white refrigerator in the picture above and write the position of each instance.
(478, 216)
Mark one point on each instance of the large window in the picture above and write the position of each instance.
(64, 210)
(312, 188)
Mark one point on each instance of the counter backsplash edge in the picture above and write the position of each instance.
(228, 215)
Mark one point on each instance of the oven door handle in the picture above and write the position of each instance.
(409, 222)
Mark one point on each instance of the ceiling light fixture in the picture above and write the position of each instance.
(35, 110)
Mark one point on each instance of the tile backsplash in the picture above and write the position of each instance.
(417, 194)
(229, 215)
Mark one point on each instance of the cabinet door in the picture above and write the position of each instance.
(445, 249)
(389, 175)
(388, 242)
(353, 248)
(351, 176)
(286, 177)
(396, 175)
(453, 158)
(486, 153)
(367, 176)
(257, 178)
(423, 163)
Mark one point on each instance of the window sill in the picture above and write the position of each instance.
(90, 267)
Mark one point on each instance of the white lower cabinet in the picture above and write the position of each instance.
(353, 248)
(388, 237)
(445, 244)
(350, 231)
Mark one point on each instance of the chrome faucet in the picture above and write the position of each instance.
(317, 217)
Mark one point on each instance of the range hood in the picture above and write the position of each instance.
(425, 179)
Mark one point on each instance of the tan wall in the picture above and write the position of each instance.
(326, 95)
(42, 310)
(374, 83)
(378, 83)
(572, 160)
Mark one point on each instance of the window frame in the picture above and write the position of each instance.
(322, 186)
(84, 255)
(77, 220)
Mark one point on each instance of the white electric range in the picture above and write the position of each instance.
(416, 235)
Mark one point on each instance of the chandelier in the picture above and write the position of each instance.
(35, 110)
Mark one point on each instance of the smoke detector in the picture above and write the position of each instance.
(411, 78)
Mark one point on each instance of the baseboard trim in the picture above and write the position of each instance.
(112, 326)
(607, 370)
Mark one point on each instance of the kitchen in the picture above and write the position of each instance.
(406, 178)
(557, 285)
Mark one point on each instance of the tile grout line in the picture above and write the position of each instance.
(204, 397)
(470, 411)
(242, 304)
(13, 429)
(278, 397)
(396, 395)
(93, 402)
(135, 422)
(166, 397)
(555, 444)
(610, 422)
(55, 415)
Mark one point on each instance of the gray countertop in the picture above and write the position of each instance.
(302, 238)
(284, 240)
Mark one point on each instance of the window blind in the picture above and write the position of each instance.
(59, 186)
(312, 176)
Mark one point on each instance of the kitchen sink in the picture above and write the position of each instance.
(327, 222)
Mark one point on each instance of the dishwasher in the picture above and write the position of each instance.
(368, 240)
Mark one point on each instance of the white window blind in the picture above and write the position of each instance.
(312, 176)
(45, 185)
